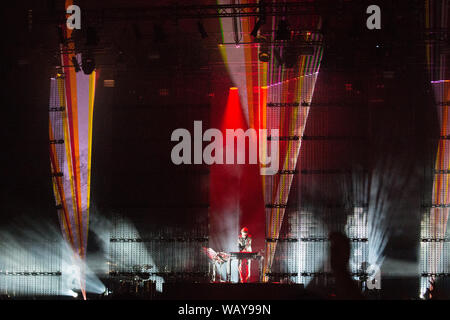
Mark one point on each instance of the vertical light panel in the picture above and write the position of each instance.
(70, 132)
(434, 223)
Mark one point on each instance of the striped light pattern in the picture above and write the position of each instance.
(70, 132)
(434, 223)
(261, 83)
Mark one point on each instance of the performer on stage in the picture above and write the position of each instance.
(245, 245)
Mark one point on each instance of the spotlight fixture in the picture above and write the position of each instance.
(201, 29)
(264, 55)
(76, 64)
(88, 63)
(283, 31)
(258, 25)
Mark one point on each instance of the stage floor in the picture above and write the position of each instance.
(232, 291)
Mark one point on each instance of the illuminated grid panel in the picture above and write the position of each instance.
(313, 246)
(433, 252)
(126, 252)
(428, 252)
(434, 237)
(314, 221)
(285, 265)
(25, 285)
(308, 256)
(70, 136)
(290, 120)
(165, 249)
(434, 249)
(432, 245)
(315, 200)
(331, 193)
(30, 269)
(357, 232)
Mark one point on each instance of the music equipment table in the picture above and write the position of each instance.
(248, 256)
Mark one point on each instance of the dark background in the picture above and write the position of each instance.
(132, 171)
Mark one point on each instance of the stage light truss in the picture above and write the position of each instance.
(180, 12)
(288, 104)
(56, 109)
(296, 43)
(283, 104)
(331, 138)
(282, 274)
(323, 138)
(158, 274)
(336, 104)
(57, 174)
(328, 171)
(59, 141)
(435, 275)
(435, 240)
(276, 205)
(284, 138)
(288, 172)
(294, 205)
(312, 239)
(313, 274)
(30, 273)
(159, 239)
(281, 239)
(436, 205)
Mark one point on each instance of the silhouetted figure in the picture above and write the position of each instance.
(434, 291)
(428, 295)
(346, 288)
